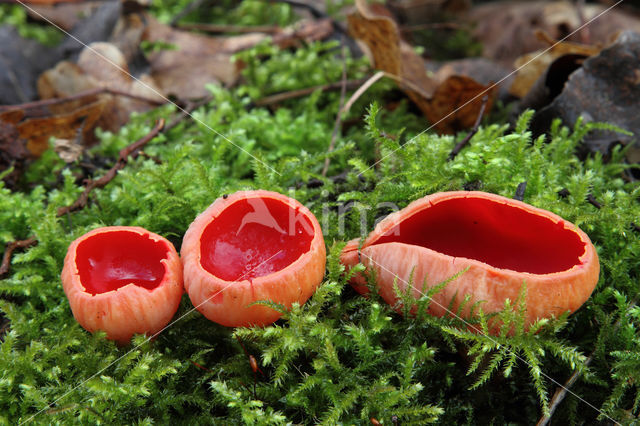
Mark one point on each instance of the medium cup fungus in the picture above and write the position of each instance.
(122, 280)
(252, 246)
(503, 243)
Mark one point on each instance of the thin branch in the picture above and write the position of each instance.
(361, 90)
(284, 96)
(130, 150)
(336, 125)
(595, 203)
(464, 142)
(77, 96)
(11, 247)
(218, 29)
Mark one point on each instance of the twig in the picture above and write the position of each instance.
(464, 142)
(284, 96)
(365, 86)
(561, 392)
(86, 93)
(522, 187)
(13, 245)
(336, 125)
(592, 200)
(130, 150)
(216, 28)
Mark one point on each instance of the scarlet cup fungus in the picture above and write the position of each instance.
(252, 246)
(503, 243)
(122, 280)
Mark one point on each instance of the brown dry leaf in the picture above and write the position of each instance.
(507, 29)
(65, 15)
(437, 97)
(196, 60)
(93, 72)
(537, 62)
(37, 131)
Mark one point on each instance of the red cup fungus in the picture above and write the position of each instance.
(503, 243)
(122, 280)
(252, 246)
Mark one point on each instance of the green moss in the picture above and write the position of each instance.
(339, 357)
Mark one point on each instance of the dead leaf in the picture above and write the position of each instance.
(507, 29)
(605, 89)
(65, 15)
(195, 61)
(437, 97)
(532, 65)
(37, 131)
(483, 70)
(101, 65)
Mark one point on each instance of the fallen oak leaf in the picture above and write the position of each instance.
(450, 102)
(38, 131)
(101, 74)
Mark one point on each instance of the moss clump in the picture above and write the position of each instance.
(340, 357)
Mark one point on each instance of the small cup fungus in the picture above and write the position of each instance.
(252, 246)
(122, 280)
(503, 243)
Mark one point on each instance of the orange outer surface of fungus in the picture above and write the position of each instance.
(503, 243)
(122, 280)
(252, 246)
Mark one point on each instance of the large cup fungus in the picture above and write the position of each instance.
(503, 243)
(122, 280)
(252, 246)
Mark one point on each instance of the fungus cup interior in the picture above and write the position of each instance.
(111, 260)
(502, 235)
(255, 237)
